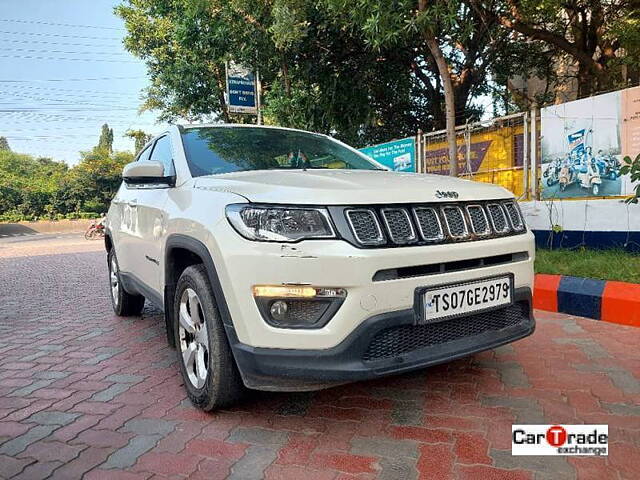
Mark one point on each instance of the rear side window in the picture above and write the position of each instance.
(162, 153)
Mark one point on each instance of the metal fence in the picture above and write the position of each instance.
(496, 151)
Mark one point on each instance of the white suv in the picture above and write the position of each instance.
(286, 260)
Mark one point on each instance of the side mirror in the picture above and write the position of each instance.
(147, 172)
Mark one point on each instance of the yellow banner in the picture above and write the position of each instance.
(495, 157)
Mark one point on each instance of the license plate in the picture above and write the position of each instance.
(454, 300)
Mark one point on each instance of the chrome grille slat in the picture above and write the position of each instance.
(398, 225)
(498, 218)
(429, 224)
(479, 220)
(454, 219)
(513, 213)
(365, 226)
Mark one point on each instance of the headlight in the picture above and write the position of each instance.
(279, 224)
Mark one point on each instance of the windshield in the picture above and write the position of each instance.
(213, 150)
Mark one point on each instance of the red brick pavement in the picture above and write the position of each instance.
(86, 394)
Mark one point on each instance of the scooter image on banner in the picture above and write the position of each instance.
(585, 173)
(552, 173)
(608, 165)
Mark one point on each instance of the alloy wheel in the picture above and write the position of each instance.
(113, 278)
(194, 338)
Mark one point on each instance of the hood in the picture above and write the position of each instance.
(346, 187)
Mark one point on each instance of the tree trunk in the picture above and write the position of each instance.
(449, 100)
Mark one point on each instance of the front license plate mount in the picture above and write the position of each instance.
(424, 301)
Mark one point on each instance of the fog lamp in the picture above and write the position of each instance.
(297, 306)
(279, 310)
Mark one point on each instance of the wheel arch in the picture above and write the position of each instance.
(182, 251)
(108, 241)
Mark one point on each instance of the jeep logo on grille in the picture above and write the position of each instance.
(441, 194)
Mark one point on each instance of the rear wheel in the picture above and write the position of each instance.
(208, 369)
(595, 189)
(124, 304)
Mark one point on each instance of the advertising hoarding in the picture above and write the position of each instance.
(495, 156)
(398, 155)
(583, 143)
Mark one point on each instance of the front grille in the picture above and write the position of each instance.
(365, 226)
(395, 341)
(455, 221)
(429, 224)
(479, 222)
(514, 215)
(400, 225)
(498, 219)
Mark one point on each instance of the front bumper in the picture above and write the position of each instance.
(337, 264)
(383, 344)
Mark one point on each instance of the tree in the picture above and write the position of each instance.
(601, 37)
(105, 142)
(447, 84)
(317, 72)
(97, 177)
(454, 52)
(28, 184)
(4, 144)
(141, 138)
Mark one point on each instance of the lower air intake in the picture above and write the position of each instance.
(395, 341)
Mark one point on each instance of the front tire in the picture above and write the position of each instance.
(124, 304)
(595, 189)
(208, 369)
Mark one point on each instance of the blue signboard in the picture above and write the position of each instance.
(241, 89)
(399, 155)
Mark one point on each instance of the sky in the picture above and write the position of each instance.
(63, 73)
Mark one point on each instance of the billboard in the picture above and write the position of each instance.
(241, 89)
(398, 155)
(584, 141)
(496, 155)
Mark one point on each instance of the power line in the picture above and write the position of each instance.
(31, 117)
(72, 79)
(39, 22)
(37, 109)
(62, 92)
(45, 42)
(105, 96)
(34, 57)
(65, 52)
(59, 35)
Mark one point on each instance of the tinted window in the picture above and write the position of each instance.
(212, 150)
(162, 153)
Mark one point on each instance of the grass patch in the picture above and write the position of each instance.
(602, 264)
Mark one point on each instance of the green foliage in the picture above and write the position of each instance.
(359, 70)
(141, 138)
(4, 144)
(32, 188)
(105, 142)
(596, 42)
(610, 264)
(631, 167)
